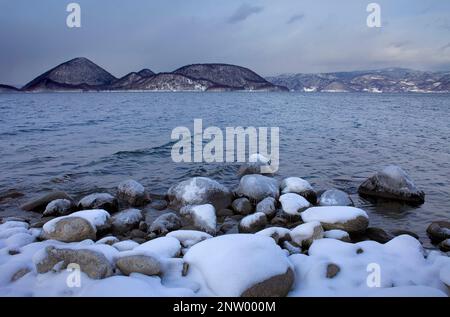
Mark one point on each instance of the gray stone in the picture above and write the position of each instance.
(59, 207)
(99, 201)
(126, 221)
(133, 193)
(335, 197)
(268, 207)
(242, 206)
(142, 264)
(439, 231)
(165, 223)
(444, 246)
(253, 223)
(378, 235)
(258, 187)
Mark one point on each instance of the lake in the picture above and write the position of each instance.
(87, 142)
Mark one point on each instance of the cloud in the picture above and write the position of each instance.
(243, 12)
(296, 18)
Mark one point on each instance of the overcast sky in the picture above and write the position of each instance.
(270, 37)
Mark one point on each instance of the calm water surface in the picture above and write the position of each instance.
(82, 143)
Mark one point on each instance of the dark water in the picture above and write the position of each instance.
(81, 143)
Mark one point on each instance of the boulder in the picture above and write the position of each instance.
(242, 206)
(335, 197)
(142, 264)
(229, 226)
(125, 245)
(126, 221)
(299, 186)
(109, 240)
(165, 223)
(337, 235)
(133, 193)
(241, 265)
(158, 204)
(268, 207)
(444, 246)
(38, 205)
(292, 205)
(257, 187)
(304, 234)
(253, 223)
(59, 207)
(392, 183)
(202, 217)
(199, 191)
(378, 235)
(349, 219)
(103, 201)
(188, 238)
(69, 229)
(93, 263)
(439, 231)
(279, 234)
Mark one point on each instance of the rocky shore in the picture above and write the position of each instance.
(267, 237)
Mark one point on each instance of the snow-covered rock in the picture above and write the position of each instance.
(304, 234)
(126, 220)
(239, 265)
(337, 234)
(109, 240)
(125, 245)
(69, 229)
(59, 207)
(188, 238)
(99, 201)
(165, 223)
(203, 217)
(397, 268)
(292, 205)
(40, 203)
(392, 183)
(257, 187)
(132, 193)
(378, 235)
(267, 206)
(299, 186)
(253, 223)
(349, 219)
(439, 231)
(142, 264)
(199, 191)
(93, 263)
(335, 197)
(257, 164)
(279, 234)
(242, 206)
(164, 247)
(444, 246)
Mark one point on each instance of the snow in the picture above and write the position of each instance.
(444, 274)
(131, 187)
(269, 232)
(164, 247)
(241, 263)
(294, 185)
(125, 245)
(193, 191)
(395, 177)
(257, 187)
(292, 203)
(96, 217)
(188, 238)
(204, 216)
(107, 240)
(247, 221)
(336, 234)
(305, 232)
(404, 271)
(332, 214)
(335, 197)
(128, 216)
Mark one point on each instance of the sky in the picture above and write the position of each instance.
(267, 36)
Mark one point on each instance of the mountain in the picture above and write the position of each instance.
(391, 80)
(8, 89)
(76, 74)
(145, 72)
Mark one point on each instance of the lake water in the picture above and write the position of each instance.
(88, 142)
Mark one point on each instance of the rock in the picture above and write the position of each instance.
(41, 222)
(257, 164)
(59, 207)
(378, 235)
(392, 183)
(332, 270)
(253, 223)
(242, 206)
(165, 223)
(444, 246)
(126, 220)
(299, 186)
(143, 226)
(304, 234)
(338, 235)
(103, 201)
(133, 193)
(224, 212)
(257, 187)
(279, 234)
(10, 193)
(138, 234)
(38, 205)
(349, 219)
(439, 231)
(188, 238)
(93, 263)
(335, 197)
(110, 240)
(125, 245)
(222, 261)
(20, 273)
(292, 205)
(199, 191)
(69, 229)
(203, 217)
(279, 221)
(229, 226)
(292, 249)
(268, 207)
(142, 264)
(159, 204)
(400, 232)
